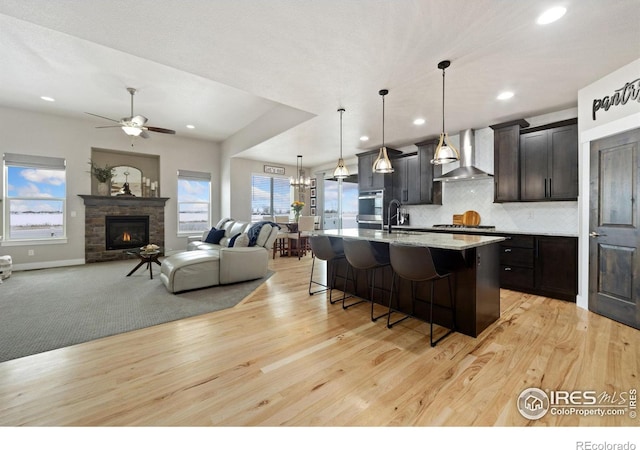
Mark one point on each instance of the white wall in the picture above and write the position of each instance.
(617, 119)
(47, 135)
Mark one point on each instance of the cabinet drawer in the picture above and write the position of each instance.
(516, 277)
(518, 241)
(513, 256)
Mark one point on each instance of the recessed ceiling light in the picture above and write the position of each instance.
(364, 138)
(191, 127)
(505, 95)
(419, 121)
(48, 99)
(551, 15)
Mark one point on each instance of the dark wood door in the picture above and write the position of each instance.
(413, 175)
(365, 173)
(399, 179)
(614, 243)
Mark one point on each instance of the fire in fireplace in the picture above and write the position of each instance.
(124, 232)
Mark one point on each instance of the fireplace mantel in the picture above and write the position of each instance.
(123, 200)
(97, 207)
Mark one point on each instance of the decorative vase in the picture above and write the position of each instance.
(104, 189)
(297, 216)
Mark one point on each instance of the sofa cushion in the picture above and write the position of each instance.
(222, 222)
(242, 240)
(265, 231)
(214, 236)
(232, 241)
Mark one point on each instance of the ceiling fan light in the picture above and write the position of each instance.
(445, 152)
(382, 164)
(132, 131)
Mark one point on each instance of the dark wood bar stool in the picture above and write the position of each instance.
(361, 255)
(416, 264)
(329, 250)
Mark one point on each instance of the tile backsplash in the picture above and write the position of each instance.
(531, 217)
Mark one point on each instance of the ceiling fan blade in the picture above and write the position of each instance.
(139, 120)
(160, 130)
(103, 117)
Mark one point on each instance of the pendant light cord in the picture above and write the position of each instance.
(341, 111)
(442, 101)
(383, 121)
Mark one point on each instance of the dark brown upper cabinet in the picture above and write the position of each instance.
(535, 164)
(506, 161)
(549, 163)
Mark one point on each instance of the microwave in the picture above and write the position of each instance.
(371, 208)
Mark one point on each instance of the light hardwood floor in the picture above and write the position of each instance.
(283, 357)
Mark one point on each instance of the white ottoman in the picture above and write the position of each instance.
(5, 267)
(190, 270)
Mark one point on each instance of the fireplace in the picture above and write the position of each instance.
(122, 232)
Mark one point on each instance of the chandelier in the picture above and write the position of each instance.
(300, 181)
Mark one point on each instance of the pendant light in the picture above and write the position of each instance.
(382, 164)
(445, 152)
(300, 181)
(341, 171)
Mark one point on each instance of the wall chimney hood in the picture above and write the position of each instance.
(467, 169)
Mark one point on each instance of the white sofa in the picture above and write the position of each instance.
(207, 264)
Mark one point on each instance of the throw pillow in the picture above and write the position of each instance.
(242, 240)
(232, 241)
(265, 231)
(214, 236)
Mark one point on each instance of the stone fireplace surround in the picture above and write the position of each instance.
(98, 207)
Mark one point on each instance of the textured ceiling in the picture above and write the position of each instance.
(255, 68)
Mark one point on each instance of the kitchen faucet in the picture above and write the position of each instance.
(389, 217)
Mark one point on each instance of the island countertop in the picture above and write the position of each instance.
(448, 241)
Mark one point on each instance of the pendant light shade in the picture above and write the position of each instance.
(445, 152)
(300, 181)
(382, 164)
(341, 171)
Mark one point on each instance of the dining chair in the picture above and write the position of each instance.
(282, 238)
(301, 237)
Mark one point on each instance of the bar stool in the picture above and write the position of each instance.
(331, 251)
(416, 264)
(361, 254)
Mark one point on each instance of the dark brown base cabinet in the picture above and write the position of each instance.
(541, 265)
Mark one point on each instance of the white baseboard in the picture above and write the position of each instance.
(48, 264)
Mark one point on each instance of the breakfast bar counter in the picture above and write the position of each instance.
(473, 261)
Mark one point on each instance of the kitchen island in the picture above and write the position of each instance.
(472, 259)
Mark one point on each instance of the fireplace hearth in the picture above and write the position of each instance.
(124, 232)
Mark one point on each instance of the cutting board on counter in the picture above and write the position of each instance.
(471, 218)
(457, 219)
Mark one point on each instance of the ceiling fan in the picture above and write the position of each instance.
(134, 125)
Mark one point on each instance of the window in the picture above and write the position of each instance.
(194, 201)
(340, 204)
(270, 196)
(35, 197)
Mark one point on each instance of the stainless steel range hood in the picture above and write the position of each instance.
(467, 169)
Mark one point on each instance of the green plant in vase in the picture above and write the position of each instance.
(297, 209)
(103, 175)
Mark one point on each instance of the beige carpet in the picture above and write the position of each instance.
(42, 310)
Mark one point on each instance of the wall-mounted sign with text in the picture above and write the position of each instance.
(629, 92)
(274, 169)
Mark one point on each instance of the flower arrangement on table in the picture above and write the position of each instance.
(297, 209)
